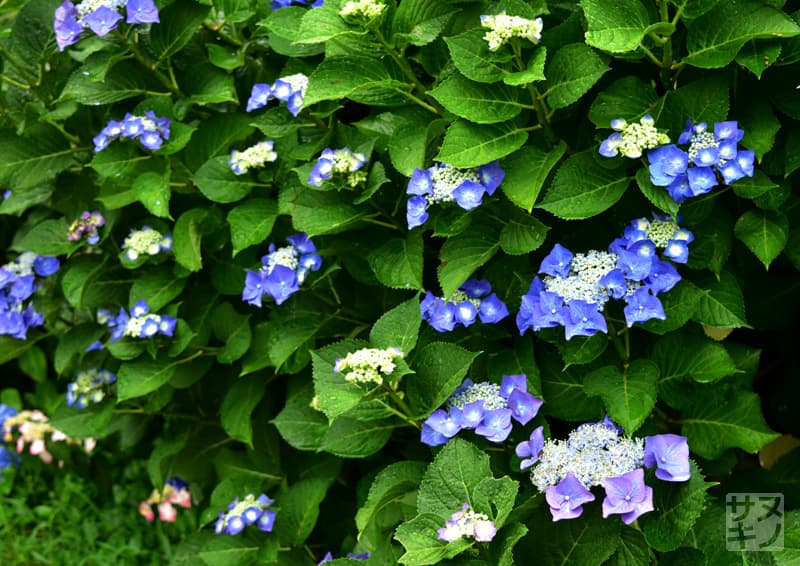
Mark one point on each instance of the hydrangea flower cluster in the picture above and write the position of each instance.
(368, 365)
(467, 523)
(278, 4)
(145, 241)
(253, 157)
(174, 492)
(709, 157)
(630, 139)
(503, 27)
(17, 284)
(575, 287)
(34, 429)
(86, 227)
(290, 89)
(486, 408)
(249, 510)
(362, 9)
(150, 130)
(442, 183)
(472, 300)
(7, 457)
(282, 271)
(597, 454)
(351, 555)
(100, 16)
(90, 386)
(342, 163)
(140, 324)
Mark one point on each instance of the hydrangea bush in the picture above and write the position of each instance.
(224, 223)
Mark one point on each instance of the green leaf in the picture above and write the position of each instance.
(228, 551)
(408, 144)
(463, 254)
(502, 551)
(495, 497)
(11, 348)
(477, 102)
(572, 71)
(398, 327)
(73, 343)
(205, 85)
(140, 377)
(318, 212)
(680, 304)
(632, 549)
(233, 329)
(92, 422)
(722, 304)
(299, 510)
(321, 24)
(581, 350)
(179, 22)
(470, 145)
(440, 368)
(714, 39)
(215, 135)
(218, 183)
(678, 507)
(522, 234)
(712, 425)
(615, 26)
(526, 172)
(237, 408)
(681, 355)
(755, 186)
(564, 393)
(422, 544)
(152, 190)
(764, 232)
(629, 98)
(224, 57)
(290, 331)
(694, 8)
(391, 485)
(629, 394)
(421, 21)
(159, 286)
(160, 459)
(186, 239)
(341, 77)
(397, 263)
(757, 56)
(298, 424)
(336, 395)
(45, 238)
(29, 161)
(471, 55)
(534, 72)
(351, 438)
(124, 80)
(581, 189)
(251, 222)
(658, 196)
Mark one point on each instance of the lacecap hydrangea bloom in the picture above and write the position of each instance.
(7, 457)
(245, 512)
(99, 16)
(574, 288)
(33, 429)
(631, 139)
(174, 492)
(598, 454)
(90, 386)
(282, 271)
(503, 27)
(278, 4)
(253, 157)
(150, 130)
(467, 523)
(18, 281)
(86, 227)
(145, 241)
(141, 323)
(486, 408)
(710, 157)
(442, 183)
(351, 555)
(290, 89)
(365, 10)
(474, 299)
(338, 164)
(368, 365)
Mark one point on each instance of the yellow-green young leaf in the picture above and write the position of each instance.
(629, 394)
(471, 55)
(629, 97)
(152, 190)
(572, 71)
(398, 262)
(478, 102)
(461, 255)
(440, 368)
(764, 232)
(251, 222)
(692, 9)
(616, 26)
(471, 145)
(526, 171)
(533, 72)
(398, 327)
(237, 407)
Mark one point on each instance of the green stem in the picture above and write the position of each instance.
(397, 413)
(373, 220)
(419, 101)
(16, 63)
(543, 114)
(402, 405)
(405, 67)
(153, 67)
(622, 350)
(650, 55)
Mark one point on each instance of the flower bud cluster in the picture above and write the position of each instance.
(140, 324)
(467, 523)
(709, 158)
(290, 89)
(86, 227)
(442, 184)
(33, 428)
(503, 27)
(249, 510)
(341, 163)
(486, 408)
(368, 365)
(150, 130)
(174, 492)
(473, 299)
(90, 386)
(17, 284)
(366, 10)
(282, 270)
(630, 139)
(99, 16)
(253, 157)
(145, 241)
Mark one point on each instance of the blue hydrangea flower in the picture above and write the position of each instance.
(282, 271)
(86, 227)
(486, 408)
(290, 89)
(141, 323)
(531, 449)
(473, 300)
(669, 453)
(99, 16)
(150, 130)
(248, 511)
(278, 4)
(709, 158)
(630, 139)
(628, 496)
(253, 157)
(442, 184)
(18, 281)
(90, 386)
(341, 164)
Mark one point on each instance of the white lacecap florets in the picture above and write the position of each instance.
(468, 523)
(635, 137)
(298, 82)
(252, 157)
(503, 27)
(368, 365)
(484, 391)
(145, 241)
(592, 452)
(286, 256)
(446, 179)
(145, 326)
(367, 9)
(701, 140)
(89, 386)
(88, 6)
(582, 283)
(22, 266)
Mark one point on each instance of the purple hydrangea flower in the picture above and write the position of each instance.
(282, 271)
(473, 300)
(66, 26)
(531, 449)
(670, 454)
(141, 12)
(102, 21)
(628, 496)
(150, 130)
(290, 89)
(567, 498)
